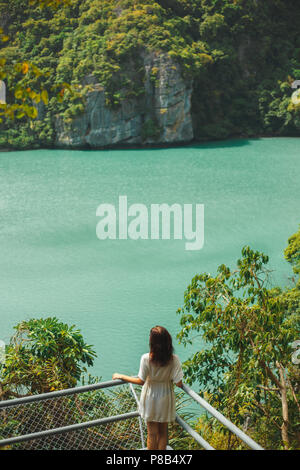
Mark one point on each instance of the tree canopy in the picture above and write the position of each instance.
(44, 355)
(242, 56)
(248, 328)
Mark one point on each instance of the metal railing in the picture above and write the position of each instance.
(216, 414)
(88, 417)
(98, 416)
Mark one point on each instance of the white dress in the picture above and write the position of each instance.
(157, 401)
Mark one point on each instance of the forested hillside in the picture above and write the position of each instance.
(146, 72)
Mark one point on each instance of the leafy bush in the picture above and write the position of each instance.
(44, 355)
(246, 366)
(242, 57)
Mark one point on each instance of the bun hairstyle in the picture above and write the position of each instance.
(161, 348)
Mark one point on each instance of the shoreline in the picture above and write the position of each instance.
(153, 146)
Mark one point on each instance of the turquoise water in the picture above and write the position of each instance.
(52, 263)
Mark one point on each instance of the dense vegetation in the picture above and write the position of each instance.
(246, 370)
(243, 56)
(46, 355)
(249, 328)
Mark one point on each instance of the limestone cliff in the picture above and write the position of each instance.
(161, 115)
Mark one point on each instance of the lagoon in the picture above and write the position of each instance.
(53, 263)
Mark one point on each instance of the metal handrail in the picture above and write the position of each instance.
(112, 383)
(59, 393)
(140, 419)
(216, 414)
(71, 427)
(193, 433)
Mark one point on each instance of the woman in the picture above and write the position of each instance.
(159, 369)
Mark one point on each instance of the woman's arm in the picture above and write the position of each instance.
(127, 378)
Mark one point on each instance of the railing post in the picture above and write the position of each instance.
(193, 433)
(216, 414)
(140, 419)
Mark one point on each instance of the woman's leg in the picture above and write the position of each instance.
(152, 435)
(162, 436)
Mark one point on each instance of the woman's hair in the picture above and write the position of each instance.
(161, 348)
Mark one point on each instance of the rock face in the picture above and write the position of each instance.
(161, 116)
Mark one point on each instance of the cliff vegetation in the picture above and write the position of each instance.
(146, 72)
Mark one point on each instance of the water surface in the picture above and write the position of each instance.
(52, 263)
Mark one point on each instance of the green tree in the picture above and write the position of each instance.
(292, 252)
(44, 355)
(24, 79)
(247, 329)
(242, 57)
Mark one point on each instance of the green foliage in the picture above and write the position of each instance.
(292, 252)
(44, 355)
(248, 329)
(241, 55)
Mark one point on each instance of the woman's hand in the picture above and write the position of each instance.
(117, 376)
(127, 378)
